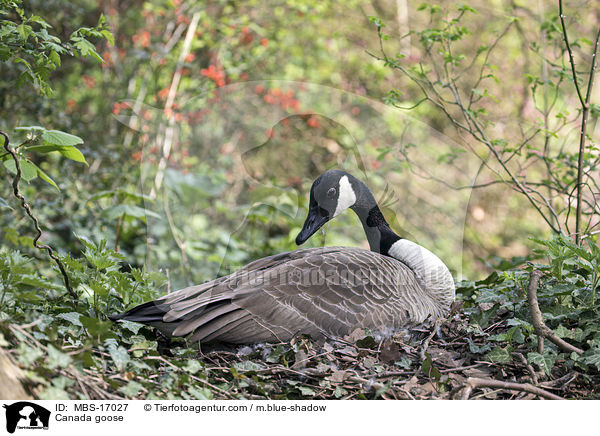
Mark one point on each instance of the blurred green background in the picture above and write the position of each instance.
(216, 117)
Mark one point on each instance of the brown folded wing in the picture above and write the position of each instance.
(315, 291)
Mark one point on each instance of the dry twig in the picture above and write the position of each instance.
(474, 382)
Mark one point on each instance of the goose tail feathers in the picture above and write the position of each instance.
(149, 312)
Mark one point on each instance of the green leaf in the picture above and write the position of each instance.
(476, 349)
(57, 359)
(545, 361)
(46, 178)
(193, 366)
(119, 355)
(28, 169)
(3, 204)
(72, 317)
(592, 357)
(56, 137)
(73, 153)
(95, 327)
(201, 393)
(27, 128)
(133, 327)
(499, 355)
(429, 369)
(131, 389)
(24, 31)
(55, 58)
(43, 148)
(86, 48)
(247, 365)
(114, 212)
(307, 391)
(28, 355)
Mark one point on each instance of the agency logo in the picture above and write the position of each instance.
(27, 416)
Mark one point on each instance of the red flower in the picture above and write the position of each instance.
(264, 42)
(89, 81)
(163, 93)
(313, 122)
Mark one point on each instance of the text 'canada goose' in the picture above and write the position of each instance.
(325, 291)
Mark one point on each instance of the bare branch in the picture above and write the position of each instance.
(474, 382)
(32, 217)
(582, 134)
(570, 52)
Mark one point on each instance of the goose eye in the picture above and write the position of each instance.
(331, 193)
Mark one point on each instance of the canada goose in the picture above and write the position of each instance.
(326, 291)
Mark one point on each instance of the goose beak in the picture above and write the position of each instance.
(314, 221)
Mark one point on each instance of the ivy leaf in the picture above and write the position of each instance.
(307, 391)
(119, 355)
(72, 317)
(545, 361)
(28, 355)
(57, 359)
(476, 349)
(247, 365)
(592, 357)
(133, 327)
(131, 389)
(499, 355)
(201, 393)
(193, 366)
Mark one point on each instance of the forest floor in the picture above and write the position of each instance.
(453, 363)
(425, 365)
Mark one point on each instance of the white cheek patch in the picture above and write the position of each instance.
(347, 196)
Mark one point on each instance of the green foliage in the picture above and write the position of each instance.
(567, 298)
(464, 86)
(26, 41)
(191, 225)
(40, 140)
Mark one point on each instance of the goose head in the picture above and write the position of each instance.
(331, 193)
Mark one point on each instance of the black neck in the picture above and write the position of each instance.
(379, 234)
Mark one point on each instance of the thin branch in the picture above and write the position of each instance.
(541, 329)
(582, 134)
(570, 51)
(523, 360)
(474, 382)
(32, 217)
